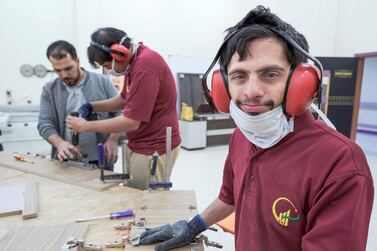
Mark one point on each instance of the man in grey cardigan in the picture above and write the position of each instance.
(65, 94)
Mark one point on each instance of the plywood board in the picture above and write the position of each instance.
(53, 169)
(30, 208)
(41, 238)
(164, 207)
(11, 200)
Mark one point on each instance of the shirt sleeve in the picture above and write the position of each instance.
(46, 122)
(339, 217)
(226, 191)
(142, 96)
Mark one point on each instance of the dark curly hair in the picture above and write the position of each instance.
(259, 23)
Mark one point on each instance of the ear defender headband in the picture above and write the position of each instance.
(303, 83)
(118, 51)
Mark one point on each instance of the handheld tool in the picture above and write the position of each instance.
(79, 159)
(75, 135)
(101, 165)
(22, 158)
(165, 184)
(111, 216)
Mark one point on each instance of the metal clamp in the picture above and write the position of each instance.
(207, 242)
(81, 246)
(134, 241)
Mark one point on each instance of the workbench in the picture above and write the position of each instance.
(60, 202)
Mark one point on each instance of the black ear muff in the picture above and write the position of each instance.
(301, 90)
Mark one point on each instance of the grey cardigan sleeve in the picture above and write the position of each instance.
(47, 120)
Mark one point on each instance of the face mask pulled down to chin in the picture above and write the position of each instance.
(264, 130)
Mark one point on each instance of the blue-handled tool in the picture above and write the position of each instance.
(101, 165)
(111, 216)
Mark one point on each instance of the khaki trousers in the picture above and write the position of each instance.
(140, 168)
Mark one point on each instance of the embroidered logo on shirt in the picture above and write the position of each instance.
(281, 209)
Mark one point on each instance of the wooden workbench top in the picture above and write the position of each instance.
(59, 202)
(56, 170)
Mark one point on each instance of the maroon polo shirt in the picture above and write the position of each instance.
(312, 191)
(150, 95)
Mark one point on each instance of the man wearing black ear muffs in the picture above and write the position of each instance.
(293, 182)
(148, 100)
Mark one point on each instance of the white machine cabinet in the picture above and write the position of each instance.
(18, 130)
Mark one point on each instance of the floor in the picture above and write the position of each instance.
(201, 170)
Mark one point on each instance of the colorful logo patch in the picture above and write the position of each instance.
(281, 209)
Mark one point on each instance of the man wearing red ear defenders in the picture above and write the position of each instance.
(293, 182)
(148, 101)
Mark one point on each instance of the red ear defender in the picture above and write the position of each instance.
(219, 93)
(119, 52)
(302, 89)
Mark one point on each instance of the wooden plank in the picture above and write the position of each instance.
(356, 106)
(11, 200)
(164, 207)
(40, 238)
(53, 169)
(30, 209)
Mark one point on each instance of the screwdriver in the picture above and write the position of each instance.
(111, 216)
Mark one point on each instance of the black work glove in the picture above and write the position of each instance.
(86, 110)
(177, 235)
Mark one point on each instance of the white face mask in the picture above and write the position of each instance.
(114, 73)
(264, 130)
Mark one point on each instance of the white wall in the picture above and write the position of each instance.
(192, 28)
(356, 31)
(27, 28)
(316, 20)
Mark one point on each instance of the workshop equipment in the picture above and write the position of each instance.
(75, 135)
(168, 163)
(125, 161)
(111, 216)
(22, 158)
(79, 159)
(101, 164)
(73, 243)
(18, 129)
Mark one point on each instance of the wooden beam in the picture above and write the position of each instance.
(356, 100)
(30, 209)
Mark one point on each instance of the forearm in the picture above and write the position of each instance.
(114, 125)
(55, 140)
(217, 211)
(109, 105)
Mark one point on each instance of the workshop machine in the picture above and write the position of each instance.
(18, 130)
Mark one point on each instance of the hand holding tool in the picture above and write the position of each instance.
(111, 216)
(75, 135)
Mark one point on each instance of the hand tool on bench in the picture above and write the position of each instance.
(168, 162)
(111, 216)
(22, 158)
(101, 164)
